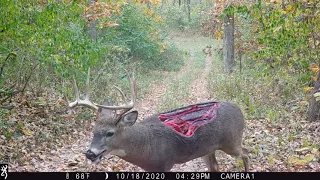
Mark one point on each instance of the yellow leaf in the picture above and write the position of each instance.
(308, 158)
(313, 67)
(306, 89)
(27, 132)
(275, 2)
(295, 161)
(314, 78)
(289, 8)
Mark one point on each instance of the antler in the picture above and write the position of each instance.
(86, 102)
(127, 107)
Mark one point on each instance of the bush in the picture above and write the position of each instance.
(47, 43)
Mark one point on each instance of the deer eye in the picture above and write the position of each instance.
(109, 134)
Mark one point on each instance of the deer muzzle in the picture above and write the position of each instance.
(93, 156)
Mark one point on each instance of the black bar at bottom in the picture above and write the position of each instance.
(158, 175)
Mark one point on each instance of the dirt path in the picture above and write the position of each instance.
(147, 106)
(198, 88)
(198, 93)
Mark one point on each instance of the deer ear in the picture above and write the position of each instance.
(129, 119)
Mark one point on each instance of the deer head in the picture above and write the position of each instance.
(111, 120)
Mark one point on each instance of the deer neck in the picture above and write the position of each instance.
(134, 143)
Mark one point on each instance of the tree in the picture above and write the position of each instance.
(188, 4)
(228, 42)
(93, 31)
(314, 103)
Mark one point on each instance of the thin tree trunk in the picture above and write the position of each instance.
(93, 30)
(228, 43)
(188, 3)
(314, 106)
(240, 61)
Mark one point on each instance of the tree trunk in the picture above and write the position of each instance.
(93, 30)
(314, 106)
(228, 43)
(189, 17)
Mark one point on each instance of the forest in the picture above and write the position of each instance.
(261, 56)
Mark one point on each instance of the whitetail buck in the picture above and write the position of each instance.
(162, 140)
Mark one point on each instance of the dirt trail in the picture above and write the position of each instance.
(198, 93)
(198, 88)
(147, 106)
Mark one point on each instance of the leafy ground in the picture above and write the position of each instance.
(48, 139)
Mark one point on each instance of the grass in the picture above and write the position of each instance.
(179, 87)
(259, 92)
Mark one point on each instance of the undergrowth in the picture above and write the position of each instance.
(261, 93)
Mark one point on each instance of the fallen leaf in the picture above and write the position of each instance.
(308, 158)
(306, 89)
(315, 151)
(295, 161)
(317, 94)
(27, 132)
(72, 164)
(302, 149)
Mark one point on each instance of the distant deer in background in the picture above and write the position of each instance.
(153, 145)
(207, 51)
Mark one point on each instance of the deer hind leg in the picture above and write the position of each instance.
(211, 162)
(239, 151)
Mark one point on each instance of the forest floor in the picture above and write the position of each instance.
(273, 147)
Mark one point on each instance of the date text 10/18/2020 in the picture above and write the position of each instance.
(184, 176)
(161, 176)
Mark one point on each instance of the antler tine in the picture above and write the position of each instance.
(75, 88)
(122, 94)
(76, 92)
(86, 101)
(88, 86)
(132, 83)
(128, 106)
(133, 89)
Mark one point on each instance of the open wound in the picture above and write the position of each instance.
(187, 120)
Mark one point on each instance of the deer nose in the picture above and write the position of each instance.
(90, 155)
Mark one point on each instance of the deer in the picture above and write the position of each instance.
(152, 145)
